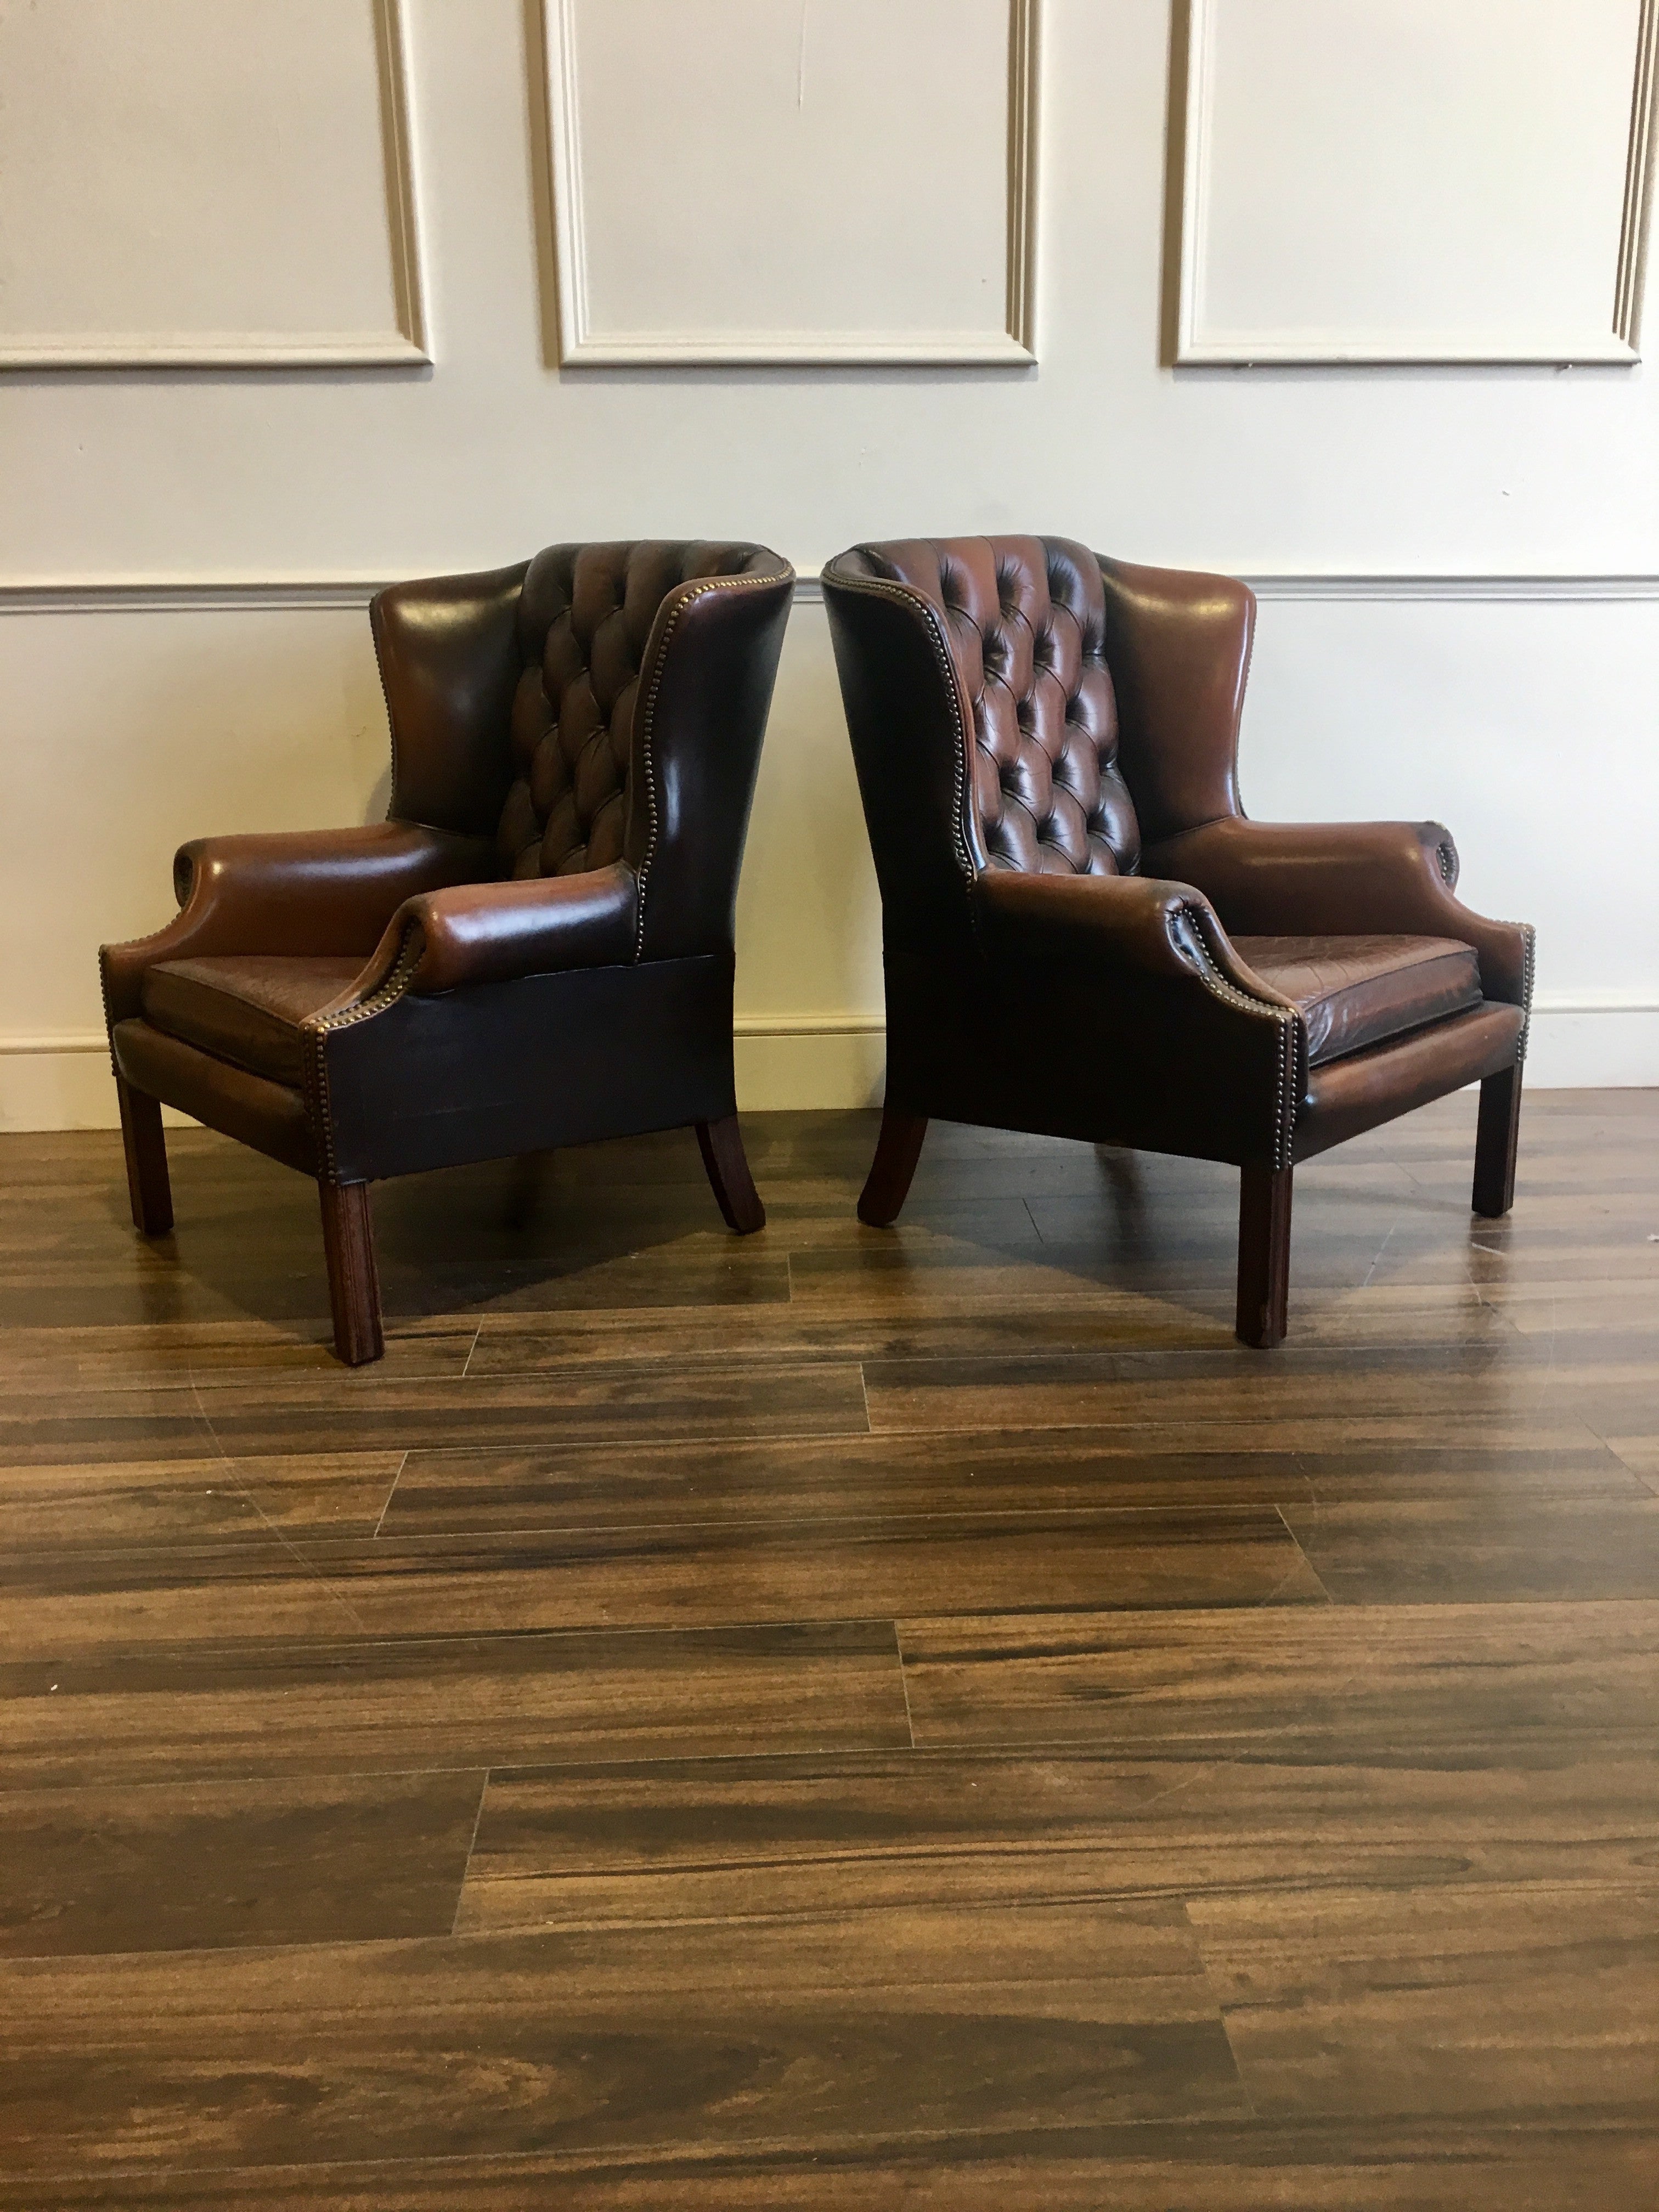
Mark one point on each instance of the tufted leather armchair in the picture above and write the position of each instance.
(1083, 933)
(535, 949)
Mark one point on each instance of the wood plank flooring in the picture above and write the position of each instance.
(843, 1718)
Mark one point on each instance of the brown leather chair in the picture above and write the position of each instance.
(1084, 935)
(535, 949)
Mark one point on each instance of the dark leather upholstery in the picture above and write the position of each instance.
(574, 746)
(1047, 746)
(584, 619)
(1352, 992)
(252, 1011)
(1025, 619)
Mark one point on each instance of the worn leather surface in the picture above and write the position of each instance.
(621, 691)
(1352, 992)
(270, 1116)
(307, 893)
(1033, 981)
(248, 1008)
(1323, 878)
(1344, 1098)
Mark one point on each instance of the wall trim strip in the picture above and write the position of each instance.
(50, 595)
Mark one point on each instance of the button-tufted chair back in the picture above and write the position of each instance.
(1025, 620)
(584, 616)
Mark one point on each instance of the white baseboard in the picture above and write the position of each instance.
(803, 1061)
(1582, 1046)
(786, 1060)
(61, 1083)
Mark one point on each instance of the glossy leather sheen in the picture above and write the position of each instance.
(1058, 961)
(1352, 992)
(621, 692)
(251, 1010)
(487, 933)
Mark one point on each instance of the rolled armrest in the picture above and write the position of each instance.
(303, 892)
(1095, 923)
(491, 932)
(1340, 879)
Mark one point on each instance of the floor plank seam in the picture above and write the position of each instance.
(471, 1846)
(281, 1536)
(904, 1684)
(390, 1494)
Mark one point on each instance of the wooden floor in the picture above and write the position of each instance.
(848, 1718)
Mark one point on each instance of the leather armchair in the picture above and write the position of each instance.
(1083, 933)
(534, 949)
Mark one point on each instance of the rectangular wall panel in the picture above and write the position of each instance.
(205, 182)
(1457, 180)
(794, 180)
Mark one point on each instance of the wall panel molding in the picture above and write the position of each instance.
(584, 343)
(406, 345)
(1198, 342)
(1638, 182)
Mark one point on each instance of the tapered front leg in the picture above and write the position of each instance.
(1264, 1256)
(354, 1282)
(721, 1145)
(1497, 1133)
(148, 1185)
(888, 1183)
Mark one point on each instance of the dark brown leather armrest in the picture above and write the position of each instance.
(304, 892)
(1339, 878)
(1093, 924)
(491, 932)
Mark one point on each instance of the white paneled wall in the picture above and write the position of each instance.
(206, 181)
(822, 135)
(1411, 179)
(1460, 566)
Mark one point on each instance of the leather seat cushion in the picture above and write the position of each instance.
(248, 1008)
(1358, 991)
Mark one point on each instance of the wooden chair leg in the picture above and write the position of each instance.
(1497, 1133)
(1264, 1256)
(720, 1144)
(888, 1183)
(148, 1185)
(354, 1282)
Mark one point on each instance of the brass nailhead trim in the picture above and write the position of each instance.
(393, 988)
(1284, 1018)
(701, 590)
(918, 603)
